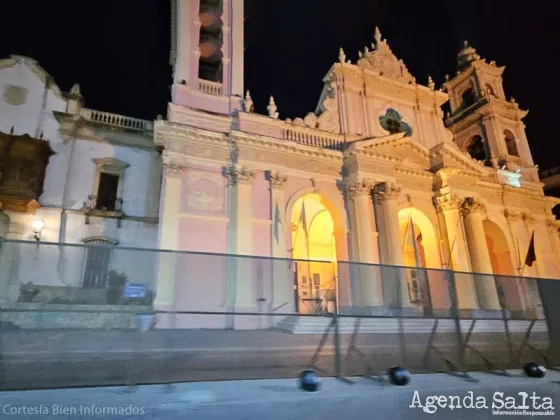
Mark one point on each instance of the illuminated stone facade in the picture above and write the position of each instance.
(345, 182)
(377, 174)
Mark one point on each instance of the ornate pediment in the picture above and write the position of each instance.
(404, 151)
(448, 156)
(382, 61)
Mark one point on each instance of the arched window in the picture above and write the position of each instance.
(511, 144)
(98, 258)
(468, 98)
(393, 123)
(475, 148)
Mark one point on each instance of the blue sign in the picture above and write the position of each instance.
(134, 290)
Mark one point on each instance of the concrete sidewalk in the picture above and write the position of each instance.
(280, 399)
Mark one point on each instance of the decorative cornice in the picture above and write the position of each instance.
(360, 188)
(414, 172)
(512, 216)
(242, 176)
(173, 166)
(528, 219)
(387, 191)
(553, 225)
(277, 180)
(448, 202)
(472, 206)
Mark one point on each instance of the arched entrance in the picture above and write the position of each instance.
(502, 256)
(419, 244)
(314, 249)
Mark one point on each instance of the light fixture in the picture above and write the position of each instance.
(37, 226)
(518, 171)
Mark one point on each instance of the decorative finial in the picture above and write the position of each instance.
(431, 83)
(248, 103)
(41, 135)
(493, 63)
(272, 108)
(447, 78)
(466, 44)
(12, 130)
(360, 55)
(377, 35)
(341, 56)
(512, 100)
(76, 90)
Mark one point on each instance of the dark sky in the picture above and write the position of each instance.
(118, 50)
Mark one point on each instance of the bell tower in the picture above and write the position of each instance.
(207, 54)
(484, 122)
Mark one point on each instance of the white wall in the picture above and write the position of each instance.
(74, 180)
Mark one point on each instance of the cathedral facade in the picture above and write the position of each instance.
(375, 161)
(344, 204)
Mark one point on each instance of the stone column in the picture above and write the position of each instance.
(486, 290)
(449, 205)
(241, 238)
(281, 274)
(362, 230)
(344, 296)
(7, 255)
(194, 44)
(168, 234)
(387, 195)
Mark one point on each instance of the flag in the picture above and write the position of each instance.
(277, 223)
(303, 219)
(531, 255)
(417, 259)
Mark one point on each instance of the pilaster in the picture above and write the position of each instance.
(241, 237)
(168, 232)
(280, 265)
(449, 205)
(486, 290)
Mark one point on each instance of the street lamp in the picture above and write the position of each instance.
(37, 226)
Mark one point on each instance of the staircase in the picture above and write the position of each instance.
(318, 325)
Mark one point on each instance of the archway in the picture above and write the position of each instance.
(420, 247)
(502, 257)
(314, 249)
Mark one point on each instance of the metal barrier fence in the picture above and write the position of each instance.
(233, 317)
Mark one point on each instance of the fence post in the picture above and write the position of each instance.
(337, 360)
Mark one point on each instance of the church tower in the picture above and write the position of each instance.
(207, 54)
(485, 123)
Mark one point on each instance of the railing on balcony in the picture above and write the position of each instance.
(310, 137)
(107, 208)
(210, 88)
(98, 203)
(116, 120)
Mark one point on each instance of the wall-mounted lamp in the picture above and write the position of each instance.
(37, 226)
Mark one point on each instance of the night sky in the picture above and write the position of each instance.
(118, 50)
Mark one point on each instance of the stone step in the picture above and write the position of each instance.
(318, 325)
